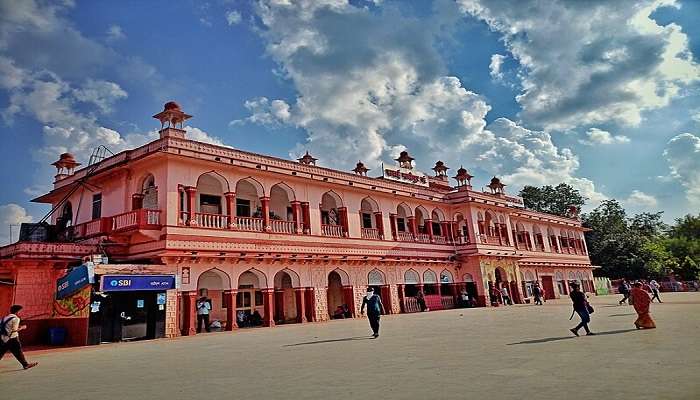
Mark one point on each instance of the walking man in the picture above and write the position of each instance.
(9, 337)
(624, 290)
(375, 309)
(655, 290)
(203, 308)
(582, 308)
(506, 296)
(537, 292)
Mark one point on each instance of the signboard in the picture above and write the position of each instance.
(404, 175)
(121, 283)
(514, 201)
(75, 280)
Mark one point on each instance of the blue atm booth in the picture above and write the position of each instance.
(129, 307)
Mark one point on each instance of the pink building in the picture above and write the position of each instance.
(290, 240)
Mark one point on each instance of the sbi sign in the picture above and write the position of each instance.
(137, 282)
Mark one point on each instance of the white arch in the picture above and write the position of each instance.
(262, 278)
(296, 282)
(411, 277)
(424, 213)
(446, 276)
(259, 188)
(376, 277)
(225, 278)
(291, 196)
(223, 182)
(429, 276)
(373, 205)
(439, 214)
(344, 277)
(407, 212)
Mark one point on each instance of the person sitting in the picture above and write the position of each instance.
(256, 319)
(241, 318)
(339, 313)
(346, 311)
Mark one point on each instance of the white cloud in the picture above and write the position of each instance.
(495, 66)
(365, 92)
(201, 136)
(114, 33)
(695, 114)
(586, 62)
(640, 199)
(233, 17)
(597, 136)
(683, 156)
(101, 93)
(10, 75)
(206, 22)
(11, 216)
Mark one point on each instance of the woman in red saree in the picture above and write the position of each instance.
(641, 305)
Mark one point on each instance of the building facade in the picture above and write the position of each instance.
(290, 240)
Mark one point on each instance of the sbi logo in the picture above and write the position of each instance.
(113, 283)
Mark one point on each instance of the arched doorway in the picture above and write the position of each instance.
(66, 218)
(149, 191)
(332, 222)
(288, 309)
(339, 295)
(281, 212)
(250, 301)
(212, 284)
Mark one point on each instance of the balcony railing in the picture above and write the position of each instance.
(332, 230)
(423, 238)
(249, 224)
(279, 226)
(405, 236)
(215, 221)
(491, 240)
(462, 240)
(371, 233)
(440, 239)
(136, 219)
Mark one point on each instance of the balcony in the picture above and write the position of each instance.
(404, 236)
(249, 224)
(137, 219)
(423, 238)
(279, 226)
(215, 221)
(493, 240)
(371, 233)
(440, 239)
(461, 240)
(332, 230)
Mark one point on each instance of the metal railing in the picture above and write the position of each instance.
(423, 238)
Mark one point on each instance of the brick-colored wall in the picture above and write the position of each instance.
(171, 313)
(321, 304)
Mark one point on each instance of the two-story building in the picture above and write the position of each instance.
(290, 241)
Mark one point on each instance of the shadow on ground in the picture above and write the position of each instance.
(555, 339)
(330, 341)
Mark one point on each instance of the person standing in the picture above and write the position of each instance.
(582, 308)
(506, 296)
(420, 299)
(375, 309)
(537, 292)
(624, 290)
(203, 309)
(9, 337)
(655, 290)
(641, 303)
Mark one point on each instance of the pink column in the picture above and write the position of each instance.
(265, 203)
(301, 304)
(379, 222)
(296, 214)
(191, 207)
(231, 209)
(230, 299)
(269, 307)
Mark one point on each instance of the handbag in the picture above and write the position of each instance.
(589, 308)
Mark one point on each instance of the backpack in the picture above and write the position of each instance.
(4, 324)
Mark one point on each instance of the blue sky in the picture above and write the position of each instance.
(602, 95)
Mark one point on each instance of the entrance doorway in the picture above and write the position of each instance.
(127, 316)
(285, 299)
(548, 287)
(249, 301)
(335, 295)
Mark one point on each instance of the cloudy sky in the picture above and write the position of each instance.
(603, 95)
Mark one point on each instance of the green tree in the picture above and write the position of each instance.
(688, 226)
(552, 200)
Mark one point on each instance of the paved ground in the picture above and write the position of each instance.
(519, 352)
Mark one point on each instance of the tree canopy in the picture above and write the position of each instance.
(552, 199)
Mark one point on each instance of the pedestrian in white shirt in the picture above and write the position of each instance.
(203, 308)
(9, 337)
(655, 290)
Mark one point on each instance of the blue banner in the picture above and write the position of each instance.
(120, 283)
(75, 280)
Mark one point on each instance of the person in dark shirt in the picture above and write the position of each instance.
(375, 308)
(580, 303)
(624, 290)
